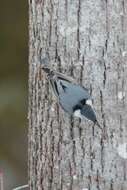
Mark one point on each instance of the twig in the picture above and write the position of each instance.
(21, 187)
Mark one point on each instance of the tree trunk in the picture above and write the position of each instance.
(88, 41)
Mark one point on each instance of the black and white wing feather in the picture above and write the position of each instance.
(71, 96)
(68, 92)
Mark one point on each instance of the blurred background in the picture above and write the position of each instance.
(13, 92)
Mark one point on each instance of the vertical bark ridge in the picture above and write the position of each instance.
(87, 40)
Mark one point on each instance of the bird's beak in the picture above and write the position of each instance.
(97, 123)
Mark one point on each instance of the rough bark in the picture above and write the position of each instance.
(85, 39)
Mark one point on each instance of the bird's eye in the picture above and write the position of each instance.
(83, 101)
(77, 107)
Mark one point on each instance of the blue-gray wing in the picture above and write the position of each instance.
(67, 91)
(71, 94)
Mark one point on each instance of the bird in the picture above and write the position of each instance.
(74, 98)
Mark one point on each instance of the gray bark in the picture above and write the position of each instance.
(88, 41)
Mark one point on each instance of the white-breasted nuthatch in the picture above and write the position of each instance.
(73, 98)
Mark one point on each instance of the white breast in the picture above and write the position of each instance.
(77, 113)
(89, 102)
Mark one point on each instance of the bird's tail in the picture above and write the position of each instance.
(45, 66)
(46, 69)
(50, 73)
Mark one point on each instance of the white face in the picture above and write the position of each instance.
(89, 102)
(77, 113)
